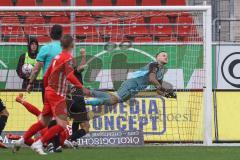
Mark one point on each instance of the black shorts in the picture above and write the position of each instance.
(77, 108)
(2, 106)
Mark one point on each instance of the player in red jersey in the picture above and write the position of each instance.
(56, 80)
(35, 111)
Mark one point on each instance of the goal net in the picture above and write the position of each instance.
(119, 42)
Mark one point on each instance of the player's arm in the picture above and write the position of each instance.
(37, 68)
(80, 68)
(153, 76)
(158, 84)
(69, 72)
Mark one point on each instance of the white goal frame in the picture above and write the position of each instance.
(207, 43)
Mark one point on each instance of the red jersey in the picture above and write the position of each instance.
(60, 73)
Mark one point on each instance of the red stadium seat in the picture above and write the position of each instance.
(126, 3)
(110, 30)
(136, 30)
(10, 20)
(54, 14)
(26, 3)
(66, 30)
(6, 3)
(61, 20)
(43, 39)
(83, 14)
(29, 14)
(35, 20)
(85, 20)
(81, 3)
(160, 30)
(102, 3)
(12, 30)
(17, 39)
(176, 3)
(143, 39)
(186, 26)
(35, 30)
(86, 30)
(185, 20)
(129, 14)
(139, 20)
(52, 3)
(159, 20)
(103, 14)
(167, 39)
(151, 2)
(7, 14)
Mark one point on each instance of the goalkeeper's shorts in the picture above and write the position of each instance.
(130, 88)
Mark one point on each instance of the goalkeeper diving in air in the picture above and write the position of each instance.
(151, 74)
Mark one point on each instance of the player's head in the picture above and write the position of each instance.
(32, 46)
(162, 57)
(56, 32)
(67, 42)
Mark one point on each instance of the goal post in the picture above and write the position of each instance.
(119, 43)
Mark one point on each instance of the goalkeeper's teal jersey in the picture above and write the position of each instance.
(144, 71)
(139, 80)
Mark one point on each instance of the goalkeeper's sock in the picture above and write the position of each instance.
(57, 129)
(3, 122)
(31, 108)
(94, 102)
(33, 130)
(78, 134)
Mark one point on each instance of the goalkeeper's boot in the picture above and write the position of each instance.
(17, 145)
(2, 145)
(38, 147)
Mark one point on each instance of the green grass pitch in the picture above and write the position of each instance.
(131, 153)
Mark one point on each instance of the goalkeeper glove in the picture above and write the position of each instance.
(170, 95)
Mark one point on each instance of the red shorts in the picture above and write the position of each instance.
(54, 104)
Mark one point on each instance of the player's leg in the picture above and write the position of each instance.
(79, 113)
(55, 141)
(3, 119)
(81, 132)
(35, 128)
(102, 98)
(127, 90)
(75, 126)
(43, 121)
(31, 108)
(124, 93)
(58, 104)
(76, 109)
